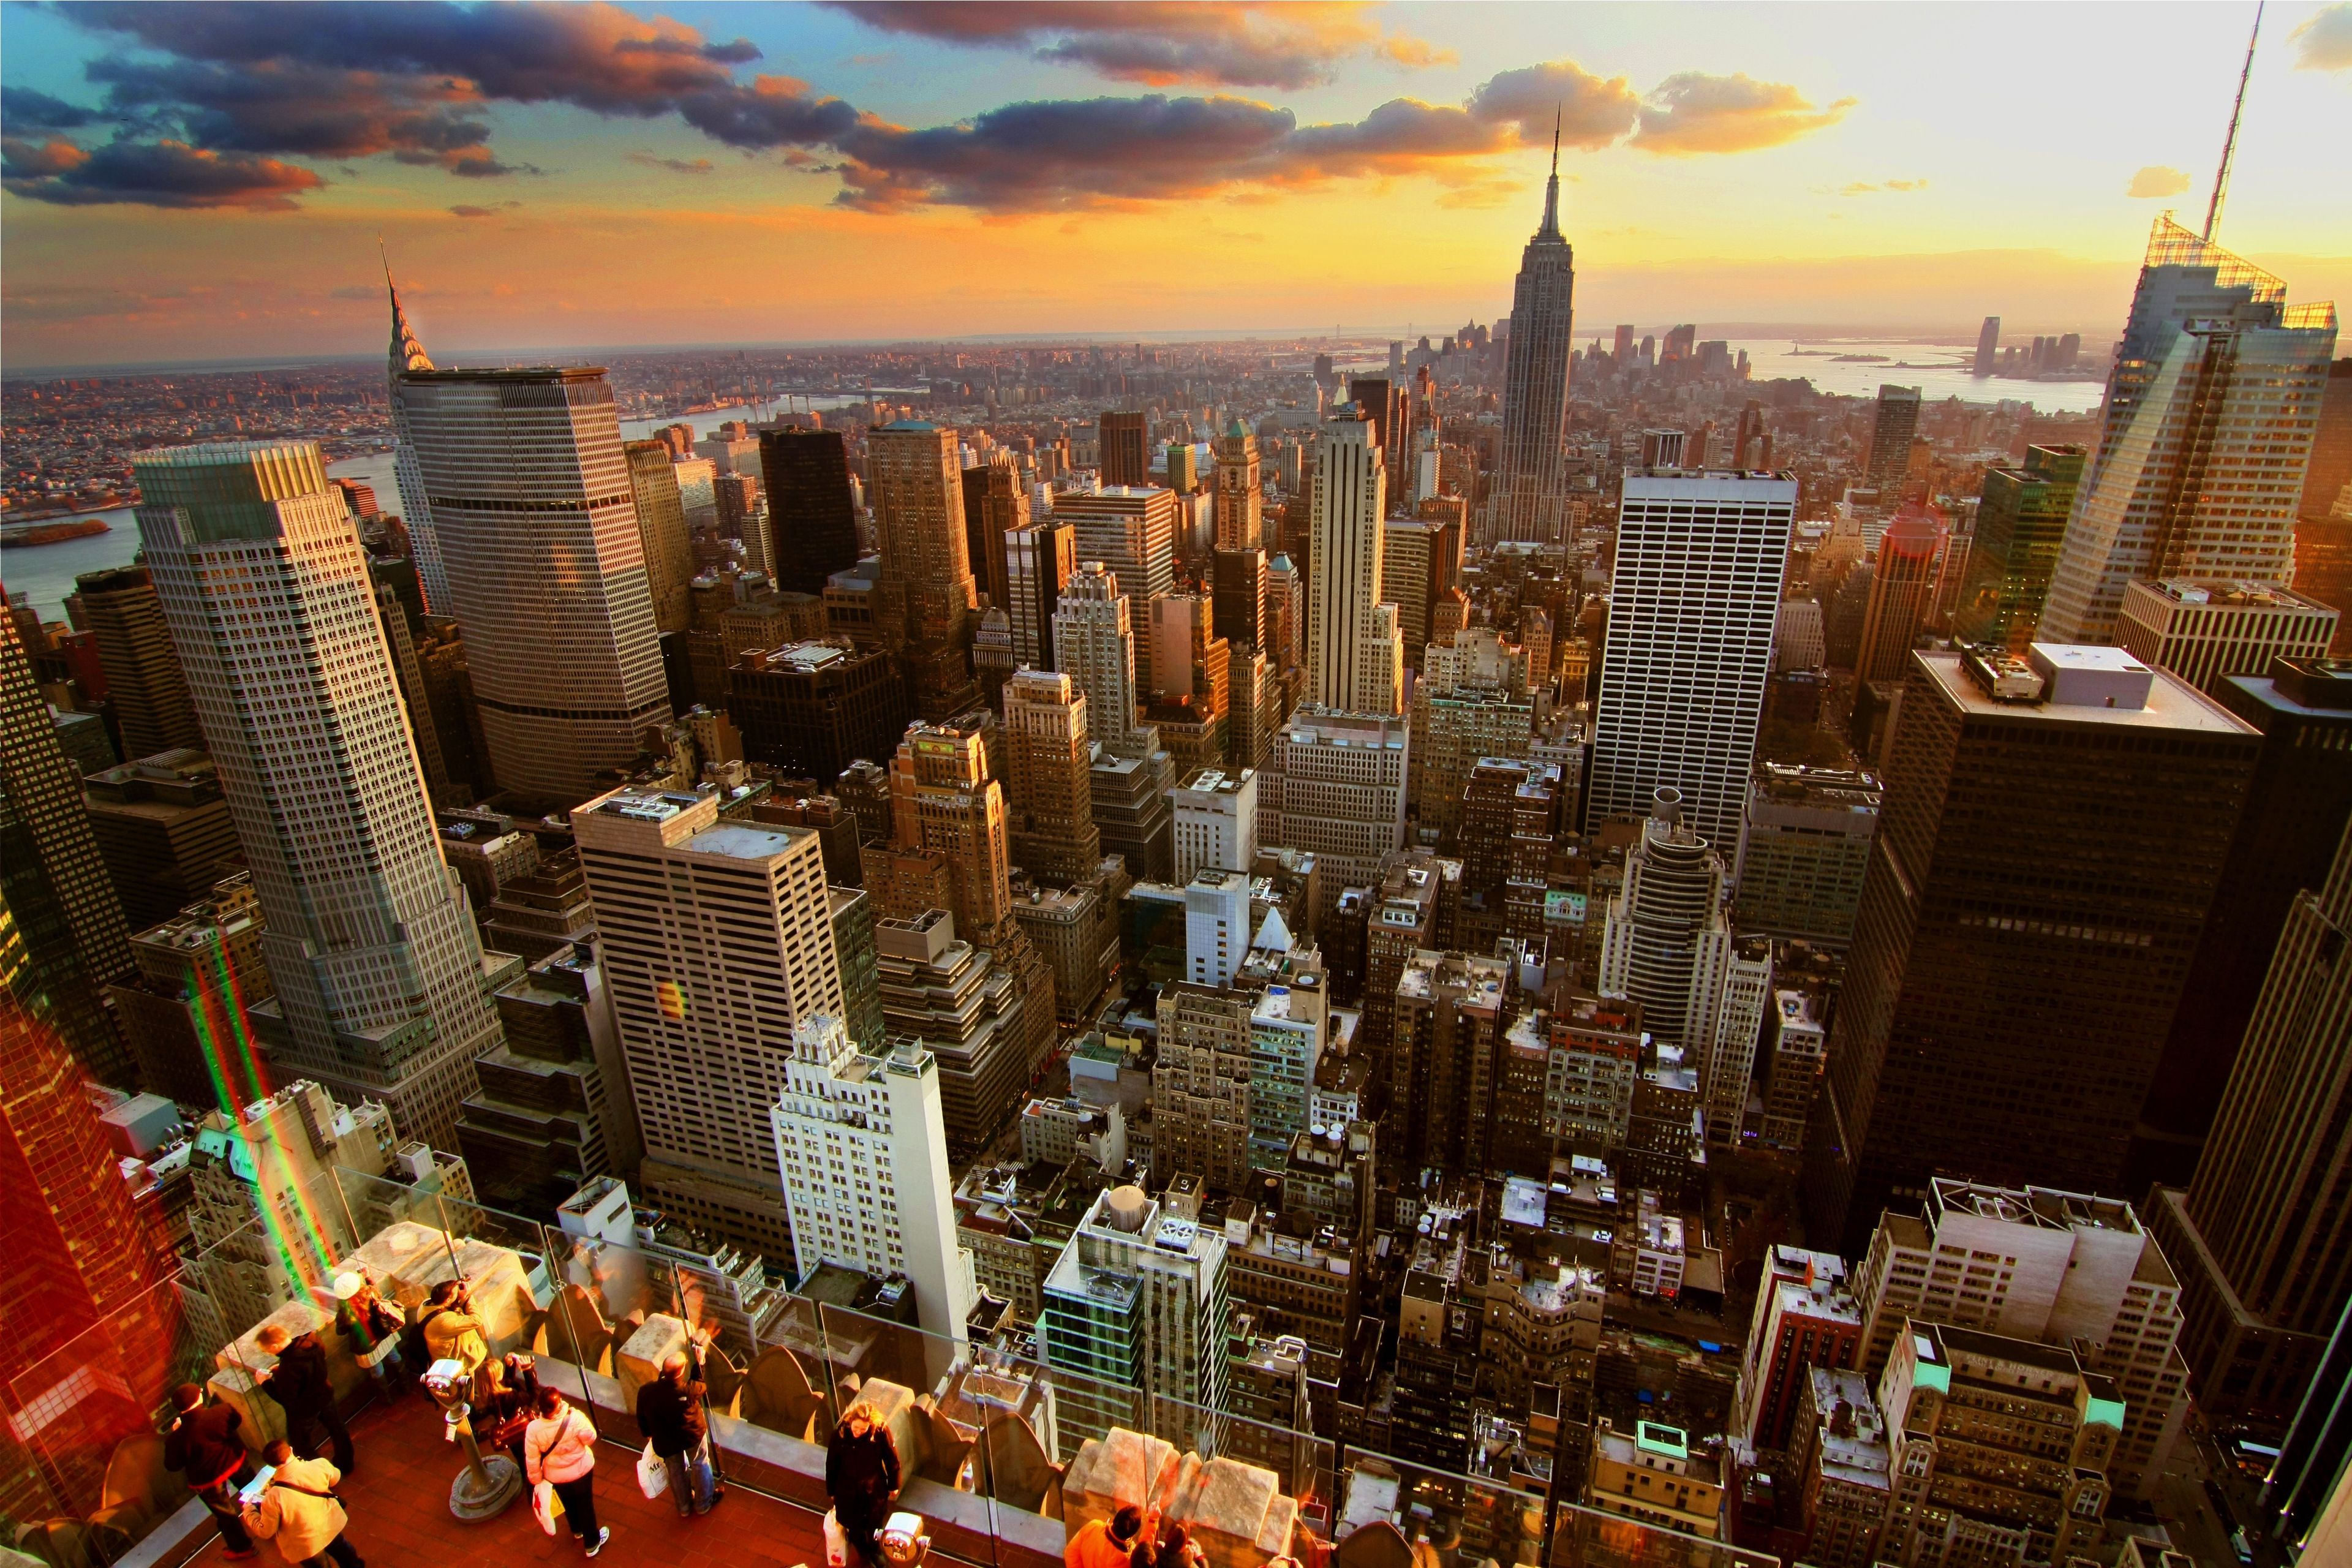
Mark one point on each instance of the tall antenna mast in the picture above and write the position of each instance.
(2229, 144)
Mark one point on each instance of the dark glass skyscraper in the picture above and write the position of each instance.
(2296, 808)
(1125, 448)
(1530, 497)
(2263, 1237)
(2021, 522)
(812, 518)
(2041, 874)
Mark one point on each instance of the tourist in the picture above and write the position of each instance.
(202, 1443)
(299, 1511)
(671, 1415)
(861, 1474)
(300, 1385)
(560, 1448)
(1107, 1544)
(372, 1329)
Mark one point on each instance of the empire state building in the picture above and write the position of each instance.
(1530, 497)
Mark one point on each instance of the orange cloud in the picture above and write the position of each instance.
(2156, 180)
(1692, 112)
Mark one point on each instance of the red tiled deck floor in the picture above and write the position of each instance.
(398, 1498)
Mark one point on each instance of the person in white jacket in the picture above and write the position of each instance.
(560, 1448)
(299, 1511)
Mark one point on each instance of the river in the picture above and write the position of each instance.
(46, 571)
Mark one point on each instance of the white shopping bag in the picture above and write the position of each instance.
(836, 1543)
(652, 1476)
(545, 1506)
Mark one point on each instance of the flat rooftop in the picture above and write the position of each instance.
(2171, 705)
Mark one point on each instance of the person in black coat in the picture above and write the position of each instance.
(671, 1415)
(300, 1385)
(861, 1474)
(202, 1443)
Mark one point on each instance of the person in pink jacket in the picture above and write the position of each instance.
(560, 1448)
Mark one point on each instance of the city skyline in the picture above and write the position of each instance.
(1559, 940)
(1770, 173)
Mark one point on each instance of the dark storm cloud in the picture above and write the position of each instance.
(151, 174)
(1159, 42)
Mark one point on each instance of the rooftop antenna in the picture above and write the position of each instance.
(2229, 143)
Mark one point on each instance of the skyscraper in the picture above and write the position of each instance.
(1335, 786)
(1047, 777)
(924, 601)
(2285, 839)
(1094, 645)
(661, 530)
(1350, 498)
(143, 683)
(994, 504)
(1132, 531)
(1896, 422)
(1038, 559)
(1988, 346)
(371, 943)
(535, 519)
(1669, 945)
(1900, 590)
(1137, 1302)
(2212, 409)
(1974, 948)
(1241, 496)
(1530, 494)
(1237, 597)
(80, 1270)
(862, 1145)
(1124, 440)
(2021, 515)
(811, 515)
(2260, 1238)
(68, 914)
(2055, 1268)
(1697, 587)
(947, 847)
(415, 505)
(718, 942)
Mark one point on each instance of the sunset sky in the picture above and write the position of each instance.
(199, 182)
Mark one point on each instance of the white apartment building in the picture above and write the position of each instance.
(1692, 606)
(1216, 821)
(370, 940)
(717, 944)
(2041, 1265)
(1348, 500)
(861, 1143)
(1216, 926)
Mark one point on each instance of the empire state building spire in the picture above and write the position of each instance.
(1551, 229)
(1529, 502)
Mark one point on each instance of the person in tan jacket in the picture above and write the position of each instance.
(299, 1510)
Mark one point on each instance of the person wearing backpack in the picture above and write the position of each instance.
(560, 1448)
(300, 1512)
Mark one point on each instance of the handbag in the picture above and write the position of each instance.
(545, 1506)
(836, 1543)
(652, 1476)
